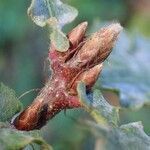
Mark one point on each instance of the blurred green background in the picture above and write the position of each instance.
(23, 58)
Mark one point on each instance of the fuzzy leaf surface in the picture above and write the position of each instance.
(128, 71)
(16, 140)
(98, 107)
(55, 14)
(43, 10)
(126, 137)
(59, 39)
(9, 104)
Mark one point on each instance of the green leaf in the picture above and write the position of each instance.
(12, 139)
(59, 39)
(42, 10)
(98, 107)
(9, 104)
(126, 137)
(128, 71)
(55, 15)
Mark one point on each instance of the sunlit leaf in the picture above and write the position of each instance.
(9, 104)
(98, 107)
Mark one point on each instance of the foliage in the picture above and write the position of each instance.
(17, 140)
(129, 71)
(9, 104)
(129, 136)
(126, 137)
(98, 107)
(55, 14)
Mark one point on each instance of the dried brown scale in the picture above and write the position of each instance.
(82, 62)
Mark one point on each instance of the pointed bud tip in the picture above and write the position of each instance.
(97, 69)
(77, 34)
(100, 66)
(84, 24)
(116, 27)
